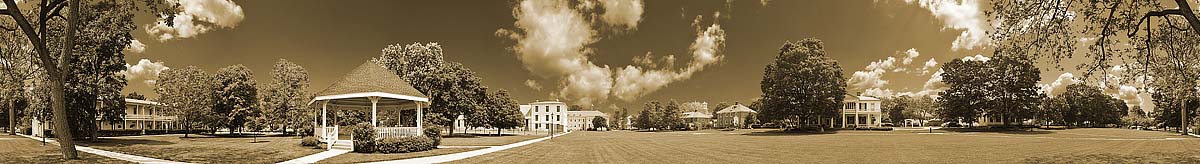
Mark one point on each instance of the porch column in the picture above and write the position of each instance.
(374, 110)
(323, 118)
(420, 116)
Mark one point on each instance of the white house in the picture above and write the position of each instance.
(140, 115)
(733, 116)
(861, 111)
(543, 115)
(582, 120)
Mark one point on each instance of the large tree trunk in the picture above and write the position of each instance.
(55, 71)
(1183, 115)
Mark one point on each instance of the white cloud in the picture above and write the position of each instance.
(626, 13)
(764, 2)
(553, 40)
(977, 57)
(145, 70)
(532, 84)
(197, 17)
(136, 46)
(932, 63)
(872, 75)
(909, 55)
(1059, 85)
(965, 15)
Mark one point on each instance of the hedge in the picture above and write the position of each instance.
(364, 138)
(404, 144)
(309, 141)
(434, 133)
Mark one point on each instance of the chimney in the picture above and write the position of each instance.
(858, 94)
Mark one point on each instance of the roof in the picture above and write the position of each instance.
(696, 115)
(860, 98)
(370, 79)
(525, 111)
(587, 113)
(136, 101)
(736, 108)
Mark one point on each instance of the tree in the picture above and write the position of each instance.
(499, 111)
(1085, 105)
(453, 88)
(599, 122)
(966, 97)
(895, 108)
(669, 117)
(802, 85)
(1052, 28)
(136, 96)
(1012, 87)
(188, 92)
(643, 120)
(42, 39)
(285, 101)
(235, 96)
(720, 106)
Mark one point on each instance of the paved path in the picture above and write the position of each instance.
(126, 157)
(464, 155)
(317, 157)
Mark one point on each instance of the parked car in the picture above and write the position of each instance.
(951, 124)
(886, 124)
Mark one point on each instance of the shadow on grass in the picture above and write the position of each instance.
(997, 130)
(473, 135)
(122, 142)
(790, 133)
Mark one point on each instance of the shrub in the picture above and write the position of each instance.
(364, 138)
(309, 141)
(404, 144)
(434, 133)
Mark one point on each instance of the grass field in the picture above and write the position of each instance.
(17, 149)
(485, 139)
(456, 140)
(207, 149)
(759, 146)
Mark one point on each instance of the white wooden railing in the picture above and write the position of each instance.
(385, 132)
(330, 135)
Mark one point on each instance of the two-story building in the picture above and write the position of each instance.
(545, 115)
(140, 115)
(733, 116)
(861, 111)
(582, 120)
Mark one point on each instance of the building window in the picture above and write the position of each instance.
(558, 109)
(535, 117)
(535, 108)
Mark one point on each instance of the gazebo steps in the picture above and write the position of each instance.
(343, 145)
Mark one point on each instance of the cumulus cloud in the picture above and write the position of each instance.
(909, 55)
(533, 84)
(1059, 85)
(965, 15)
(554, 39)
(977, 57)
(197, 17)
(872, 75)
(145, 71)
(136, 46)
(932, 63)
(626, 13)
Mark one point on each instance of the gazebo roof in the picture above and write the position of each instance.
(371, 80)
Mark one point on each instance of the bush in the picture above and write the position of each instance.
(404, 144)
(434, 133)
(309, 141)
(364, 137)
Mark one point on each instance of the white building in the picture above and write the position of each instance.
(582, 120)
(861, 111)
(140, 115)
(544, 115)
(733, 116)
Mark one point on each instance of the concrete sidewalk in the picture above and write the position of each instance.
(121, 156)
(317, 157)
(469, 154)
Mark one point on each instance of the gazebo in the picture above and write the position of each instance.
(370, 87)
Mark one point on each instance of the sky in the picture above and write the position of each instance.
(607, 54)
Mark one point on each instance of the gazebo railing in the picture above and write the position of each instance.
(385, 132)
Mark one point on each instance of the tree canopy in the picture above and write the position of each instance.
(802, 85)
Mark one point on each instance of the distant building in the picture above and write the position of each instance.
(733, 116)
(698, 119)
(140, 115)
(544, 115)
(582, 120)
(861, 111)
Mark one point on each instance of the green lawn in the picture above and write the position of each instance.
(757, 146)
(374, 157)
(485, 139)
(17, 149)
(208, 149)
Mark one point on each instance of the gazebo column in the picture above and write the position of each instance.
(420, 115)
(374, 110)
(324, 119)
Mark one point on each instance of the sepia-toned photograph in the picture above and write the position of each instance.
(599, 81)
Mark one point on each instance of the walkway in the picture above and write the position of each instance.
(469, 154)
(126, 157)
(317, 157)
